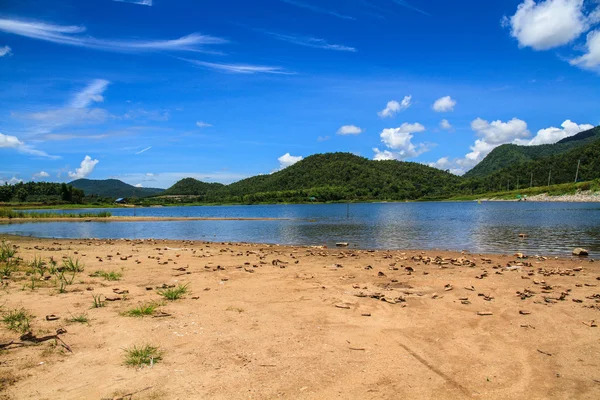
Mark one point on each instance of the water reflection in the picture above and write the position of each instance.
(552, 228)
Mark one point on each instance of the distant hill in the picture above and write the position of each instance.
(191, 187)
(112, 188)
(509, 155)
(560, 168)
(332, 177)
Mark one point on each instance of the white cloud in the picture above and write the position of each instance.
(139, 2)
(139, 185)
(86, 168)
(400, 140)
(201, 124)
(241, 68)
(150, 174)
(317, 9)
(5, 51)
(143, 150)
(591, 59)
(91, 94)
(349, 130)
(310, 42)
(406, 4)
(41, 174)
(553, 135)
(13, 142)
(494, 134)
(444, 104)
(444, 124)
(323, 138)
(12, 181)
(393, 107)
(547, 24)
(286, 160)
(71, 35)
(76, 112)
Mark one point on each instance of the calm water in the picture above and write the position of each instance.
(552, 228)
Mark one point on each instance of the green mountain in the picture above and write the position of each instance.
(556, 169)
(332, 177)
(112, 188)
(508, 155)
(191, 187)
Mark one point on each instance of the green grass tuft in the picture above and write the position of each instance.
(174, 293)
(142, 310)
(107, 275)
(17, 320)
(143, 355)
(81, 318)
(98, 302)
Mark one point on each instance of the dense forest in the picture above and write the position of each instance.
(509, 155)
(113, 188)
(41, 192)
(191, 186)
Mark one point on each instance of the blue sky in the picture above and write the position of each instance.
(152, 91)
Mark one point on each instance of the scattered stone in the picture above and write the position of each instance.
(523, 312)
(580, 252)
(342, 244)
(484, 313)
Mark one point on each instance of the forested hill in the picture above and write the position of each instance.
(508, 155)
(112, 188)
(337, 176)
(191, 186)
(556, 169)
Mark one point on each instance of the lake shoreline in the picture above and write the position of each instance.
(447, 322)
(133, 219)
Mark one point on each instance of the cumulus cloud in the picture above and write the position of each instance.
(547, 24)
(286, 160)
(349, 130)
(445, 125)
(202, 124)
(5, 51)
(85, 169)
(139, 185)
(13, 142)
(41, 174)
(494, 134)
(393, 107)
(399, 140)
(591, 59)
(444, 104)
(553, 134)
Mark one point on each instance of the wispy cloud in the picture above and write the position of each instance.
(73, 36)
(202, 124)
(76, 112)
(406, 4)
(13, 142)
(144, 150)
(241, 68)
(317, 9)
(5, 51)
(139, 2)
(309, 42)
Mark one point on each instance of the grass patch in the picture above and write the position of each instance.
(7, 251)
(174, 293)
(17, 320)
(143, 355)
(9, 213)
(142, 310)
(98, 302)
(107, 275)
(72, 264)
(80, 319)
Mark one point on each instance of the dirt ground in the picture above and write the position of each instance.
(265, 322)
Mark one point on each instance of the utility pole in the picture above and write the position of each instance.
(577, 173)
(549, 175)
(517, 183)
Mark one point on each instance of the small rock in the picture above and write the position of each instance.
(580, 252)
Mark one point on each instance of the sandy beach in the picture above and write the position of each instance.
(266, 321)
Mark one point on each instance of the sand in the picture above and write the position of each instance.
(265, 322)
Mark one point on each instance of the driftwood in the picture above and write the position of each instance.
(30, 337)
